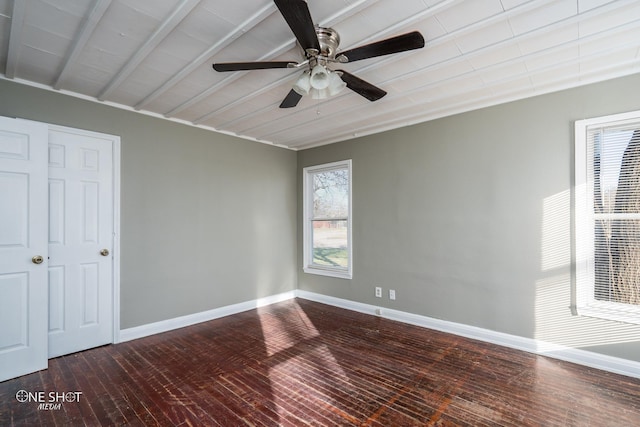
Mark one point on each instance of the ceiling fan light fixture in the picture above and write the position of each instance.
(336, 84)
(319, 77)
(303, 85)
(306, 85)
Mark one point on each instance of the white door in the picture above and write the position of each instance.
(23, 238)
(81, 226)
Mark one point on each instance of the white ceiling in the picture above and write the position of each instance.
(155, 57)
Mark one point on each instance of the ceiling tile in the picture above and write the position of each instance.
(553, 57)
(437, 54)
(467, 13)
(611, 18)
(484, 37)
(234, 12)
(547, 14)
(63, 20)
(156, 9)
(379, 16)
(611, 62)
(40, 63)
(45, 41)
(586, 5)
(503, 72)
(548, 40)
(510, 4)
(491, 57)
(621, 39)
(512, 86)
(551, 75)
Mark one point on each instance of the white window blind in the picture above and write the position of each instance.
(608, 217)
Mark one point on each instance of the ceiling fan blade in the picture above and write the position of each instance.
(240, 66)
(291, 99)
(297, 15)
(359, 86)
(409, 41)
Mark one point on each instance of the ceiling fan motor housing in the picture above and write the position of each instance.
(329, 41)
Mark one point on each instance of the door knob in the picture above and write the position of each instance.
(37, 259)
(104, 252)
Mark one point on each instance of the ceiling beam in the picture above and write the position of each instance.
(80, 41)
(205, 56)
(167, 27)
(15, 34)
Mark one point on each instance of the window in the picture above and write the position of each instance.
(608, 217)
(327, 219)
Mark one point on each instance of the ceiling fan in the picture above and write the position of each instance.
(320, 46)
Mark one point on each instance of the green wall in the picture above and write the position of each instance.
(206, 219)
(469, 218)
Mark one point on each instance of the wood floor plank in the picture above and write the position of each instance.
(303, 363)
(96, 392)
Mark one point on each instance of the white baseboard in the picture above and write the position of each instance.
(192, 319)
(587, 358)
(595, 360)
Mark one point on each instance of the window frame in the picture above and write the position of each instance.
(585, 217)
(307, 197)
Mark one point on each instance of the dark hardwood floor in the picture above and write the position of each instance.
(303, 363)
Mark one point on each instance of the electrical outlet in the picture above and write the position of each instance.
(378, 292)
(392, 294)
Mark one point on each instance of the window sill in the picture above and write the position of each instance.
(340, 274)
(610, 311)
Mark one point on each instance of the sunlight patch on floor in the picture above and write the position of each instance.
(280, 335)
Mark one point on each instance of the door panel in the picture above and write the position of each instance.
(14, 192)
(23, 235)
(14, 289)
(81, 225)
(56, 299)
(90, 279)
(56, 211)
(90, 218)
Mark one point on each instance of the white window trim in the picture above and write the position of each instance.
(308, 266)
(586, 304)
